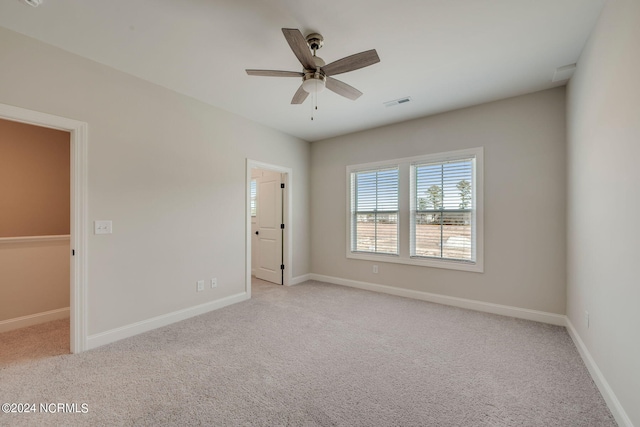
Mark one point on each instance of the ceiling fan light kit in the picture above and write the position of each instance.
(316, 75)
(314, 82)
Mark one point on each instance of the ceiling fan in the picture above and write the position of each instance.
(316, 75)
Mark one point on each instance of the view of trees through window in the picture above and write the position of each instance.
(442, 217)
(422, 210)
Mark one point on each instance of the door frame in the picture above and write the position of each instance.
(78, 228)
(287, 212)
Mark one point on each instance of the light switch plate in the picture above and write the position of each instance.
(102, 227)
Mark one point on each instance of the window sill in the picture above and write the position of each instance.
(476, 267)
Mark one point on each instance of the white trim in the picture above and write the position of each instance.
(78, 237)
(405, 166)
(487, 307)
(609, 396)
(288, 230)
(28, 239)
(424, 262)
(107, 337)
(300, 279)
(33, 319)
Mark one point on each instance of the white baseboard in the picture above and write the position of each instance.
(504, 310)
(299, 279)
(609, 396)
(102, 338)
(33, 319)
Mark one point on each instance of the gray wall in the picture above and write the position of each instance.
(524, 199)
(167, 169)
(604, 200)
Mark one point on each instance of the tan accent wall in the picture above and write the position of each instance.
(34, 277)
(34, 180)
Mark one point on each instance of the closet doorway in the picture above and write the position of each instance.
(75, 251)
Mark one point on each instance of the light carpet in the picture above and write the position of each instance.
(315, 355)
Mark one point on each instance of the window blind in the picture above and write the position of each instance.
(374, 211)
(443, 211)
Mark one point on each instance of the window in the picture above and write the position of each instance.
(442, 211)
(253, 195)
(424, 210)
(374, 211)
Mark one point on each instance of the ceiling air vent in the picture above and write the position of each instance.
(564, 73)
(397, 101)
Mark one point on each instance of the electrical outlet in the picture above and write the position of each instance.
(375, 269)
(586, 318)
(200, 285)
(214, 282)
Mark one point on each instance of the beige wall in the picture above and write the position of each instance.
(168, 170)
(34, 277)
(34, 201)
(524, 200)
(604, 200)
(34, 180)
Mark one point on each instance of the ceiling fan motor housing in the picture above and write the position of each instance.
(319, 62)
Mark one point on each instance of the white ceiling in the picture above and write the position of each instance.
(445, 54)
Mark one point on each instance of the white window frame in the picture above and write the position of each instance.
(404, 166)
(397, 212)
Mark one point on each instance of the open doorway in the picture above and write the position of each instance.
(268, 254)
(34, 239)
(76, 214)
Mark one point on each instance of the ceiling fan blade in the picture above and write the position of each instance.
(274, 73)
(299, 96)
(353, 62)
(341, 88)
(299, 47)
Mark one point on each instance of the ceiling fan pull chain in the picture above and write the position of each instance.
(315, 98)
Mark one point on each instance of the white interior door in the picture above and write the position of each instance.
(269, 231)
